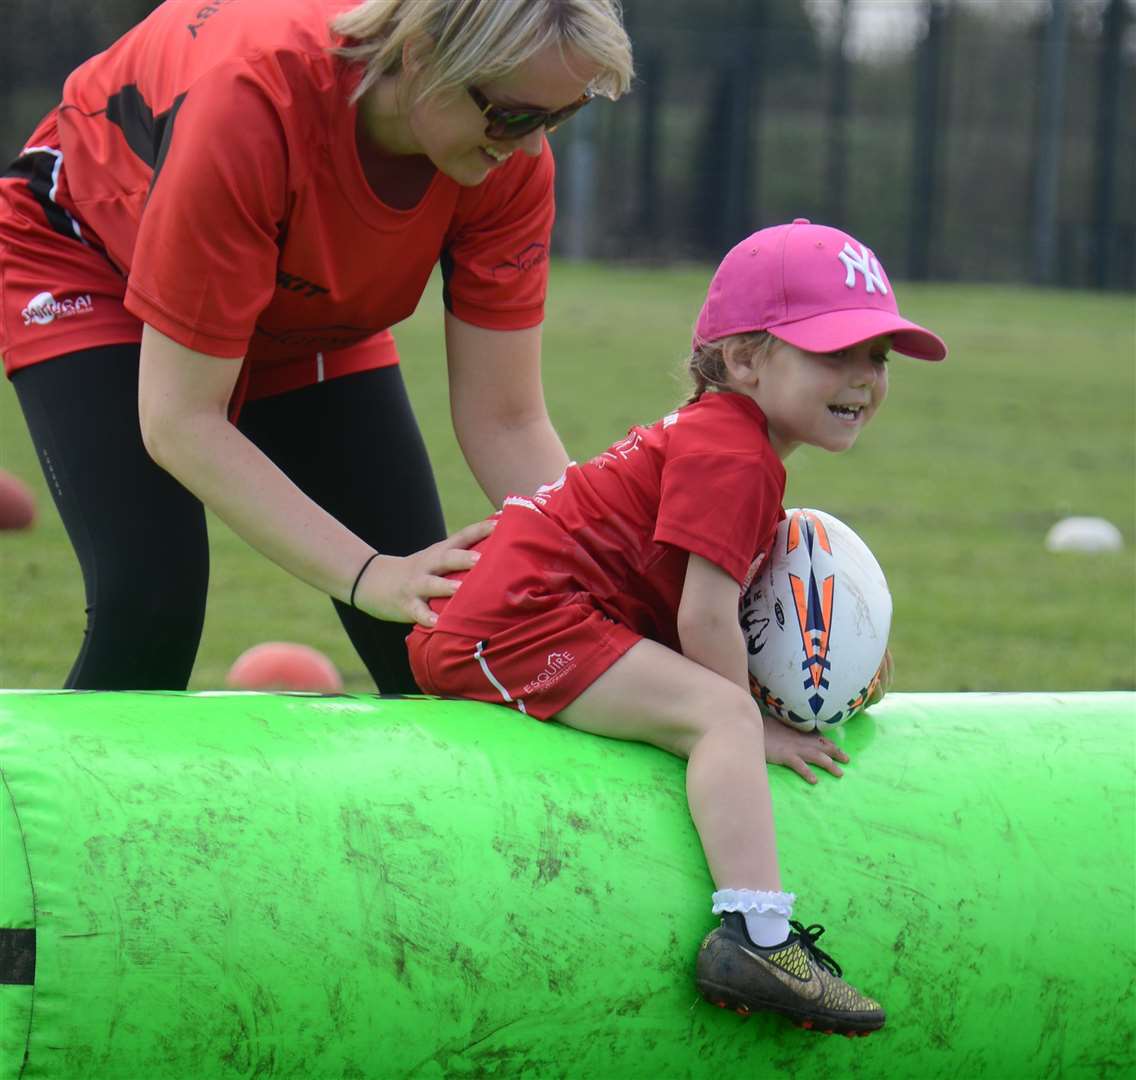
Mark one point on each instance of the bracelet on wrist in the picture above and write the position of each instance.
(359, 576)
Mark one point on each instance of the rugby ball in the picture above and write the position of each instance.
(285, 665)
(816, 621)
(17, 504)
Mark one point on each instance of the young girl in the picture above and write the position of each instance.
(609, 599)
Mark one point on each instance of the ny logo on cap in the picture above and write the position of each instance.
(866, 263)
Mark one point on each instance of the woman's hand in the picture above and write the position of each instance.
(397, 588)
(795, 750)
(183, 398)
(882, 681)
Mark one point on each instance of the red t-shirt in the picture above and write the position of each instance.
(211, 154)
(703, 480)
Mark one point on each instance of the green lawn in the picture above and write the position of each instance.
(1031, 419)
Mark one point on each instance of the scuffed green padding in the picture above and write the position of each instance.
(16, 913)
(284, 886)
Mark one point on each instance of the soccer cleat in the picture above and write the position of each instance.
(795, 978)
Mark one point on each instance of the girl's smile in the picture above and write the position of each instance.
(823, 399)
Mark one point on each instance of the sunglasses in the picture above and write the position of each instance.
(517, 121)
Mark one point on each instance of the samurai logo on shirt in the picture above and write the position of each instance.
(44, 308)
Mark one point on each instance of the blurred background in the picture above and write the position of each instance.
(989, 140)
(971, 139)
(985, 150)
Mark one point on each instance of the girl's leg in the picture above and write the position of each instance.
(139, 535)
(655, 695)
(352, 444)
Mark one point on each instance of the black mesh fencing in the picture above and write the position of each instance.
(963, 156)
(990, 140)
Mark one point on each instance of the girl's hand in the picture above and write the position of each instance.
(883, 680)
(397, 589)
(795, 750)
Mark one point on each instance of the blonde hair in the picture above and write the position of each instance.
(706, 365)
(473, 41)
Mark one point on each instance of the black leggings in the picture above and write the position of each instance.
(351, 444)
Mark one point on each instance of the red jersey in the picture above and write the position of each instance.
(703, 480)
(210, 156)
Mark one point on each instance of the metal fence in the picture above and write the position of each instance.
(987, 140)
(995, 147)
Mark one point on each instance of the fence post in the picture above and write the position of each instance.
(836, 173)
(737, 219)
(925, 142)
(650, 95)
(1104, 165)
(1047, 163)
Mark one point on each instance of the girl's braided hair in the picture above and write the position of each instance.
(706, 365)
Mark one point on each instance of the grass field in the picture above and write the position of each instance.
(1031, 419)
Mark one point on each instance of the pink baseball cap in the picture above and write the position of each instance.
(810, 285)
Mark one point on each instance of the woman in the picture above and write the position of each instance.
(202, 250)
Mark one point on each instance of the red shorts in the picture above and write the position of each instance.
(517, 637)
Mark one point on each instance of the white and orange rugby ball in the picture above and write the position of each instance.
(816, 623)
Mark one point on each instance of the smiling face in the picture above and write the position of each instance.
(823, 399)
(449, 129)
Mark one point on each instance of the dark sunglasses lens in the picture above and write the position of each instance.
(515, 125)
(505, 123)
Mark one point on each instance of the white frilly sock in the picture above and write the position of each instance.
(766, 914)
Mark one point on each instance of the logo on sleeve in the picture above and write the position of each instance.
(525, 259)
(44, 308)
(546, 491)
(621, 450)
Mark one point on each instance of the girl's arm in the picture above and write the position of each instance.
(498, 410)
(711, 635)
(708, 626)
(183, 398)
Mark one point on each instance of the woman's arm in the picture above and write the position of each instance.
(498, 410)
(183, 398)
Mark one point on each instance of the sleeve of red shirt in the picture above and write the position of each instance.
(716, 502)
(495, 259)
(206, 255)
